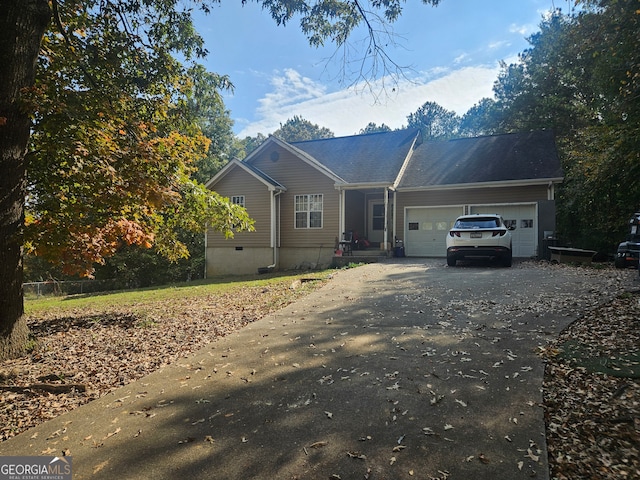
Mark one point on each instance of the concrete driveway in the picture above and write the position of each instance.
(398, 370)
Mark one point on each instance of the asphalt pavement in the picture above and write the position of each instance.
(397, 370)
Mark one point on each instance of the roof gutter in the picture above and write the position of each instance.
(506, 183)
(361, 186)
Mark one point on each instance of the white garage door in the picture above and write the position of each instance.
(426, 230)
(524, 218)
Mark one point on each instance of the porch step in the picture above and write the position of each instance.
(360, 256)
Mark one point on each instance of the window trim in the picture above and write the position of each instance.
(309, 200)
(238, 200)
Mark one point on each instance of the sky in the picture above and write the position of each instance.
(450, 55)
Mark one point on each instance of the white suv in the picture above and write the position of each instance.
(479, 235)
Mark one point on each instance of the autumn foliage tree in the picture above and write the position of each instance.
(115, 135)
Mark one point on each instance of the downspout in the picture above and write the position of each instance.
(386, 219)
(395, 217)
(341, 216)
(274, 224)
(206, 231)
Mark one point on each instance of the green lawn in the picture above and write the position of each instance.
(199, 288)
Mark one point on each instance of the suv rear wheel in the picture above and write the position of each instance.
(507, 259)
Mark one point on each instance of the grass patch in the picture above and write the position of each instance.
(106, 300)
(624, 364)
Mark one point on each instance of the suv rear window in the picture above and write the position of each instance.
(474, 223)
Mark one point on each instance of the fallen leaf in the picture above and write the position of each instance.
(111, 434)
(532, 456)
(318, 444)
(357, 455)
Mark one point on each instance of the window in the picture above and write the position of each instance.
(238, 200)
(477, 222)
(378, 217)
(527, 223)
(308, 211)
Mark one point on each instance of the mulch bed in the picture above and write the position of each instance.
(592, 394)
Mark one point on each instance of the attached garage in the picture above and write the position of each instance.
(426, 229)
(524, 218)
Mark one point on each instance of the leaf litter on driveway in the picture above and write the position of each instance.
(449, 342)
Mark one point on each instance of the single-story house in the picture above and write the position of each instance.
(386, 187)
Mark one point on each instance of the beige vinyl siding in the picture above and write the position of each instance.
(257, 200)
(301, 178)
(470, 196)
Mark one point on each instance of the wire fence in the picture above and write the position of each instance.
(67, 287)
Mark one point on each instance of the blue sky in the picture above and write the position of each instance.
(453, 52)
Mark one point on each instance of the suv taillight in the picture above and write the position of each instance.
(454, 234)
(499, 232)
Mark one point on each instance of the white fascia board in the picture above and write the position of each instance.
(466, 186)
(362, 186)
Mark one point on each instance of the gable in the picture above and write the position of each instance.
(292, 168)
(274, 153)
(258, 175)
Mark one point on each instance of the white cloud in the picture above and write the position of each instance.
(497, 45)
(347, 111)
(289, 88)
(460, 58)
(523, 30)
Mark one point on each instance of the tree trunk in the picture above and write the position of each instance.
(22, 26)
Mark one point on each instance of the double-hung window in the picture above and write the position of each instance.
(308, 211)
(238, 200)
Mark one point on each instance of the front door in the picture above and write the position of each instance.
(375, 223)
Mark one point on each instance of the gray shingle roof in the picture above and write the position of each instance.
(371, 158)
(274, 183)
(509, 157)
